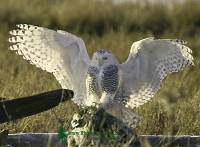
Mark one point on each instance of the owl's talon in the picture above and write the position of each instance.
(94, 104)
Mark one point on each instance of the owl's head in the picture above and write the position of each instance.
(103, 57)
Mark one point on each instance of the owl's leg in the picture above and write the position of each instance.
(106, 99)
(91, 101)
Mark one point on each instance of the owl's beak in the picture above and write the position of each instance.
(100, 63)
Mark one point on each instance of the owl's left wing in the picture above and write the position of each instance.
(58, 52)
(149, 62)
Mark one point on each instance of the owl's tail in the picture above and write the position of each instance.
(126, 115)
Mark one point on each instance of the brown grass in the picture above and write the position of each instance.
(174, 110)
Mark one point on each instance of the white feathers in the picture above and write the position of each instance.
(60, 53)
(149, 62)
(65, 55)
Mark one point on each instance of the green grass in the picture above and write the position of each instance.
(175, 108)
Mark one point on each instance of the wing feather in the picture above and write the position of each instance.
(57, 52)
(149, 62)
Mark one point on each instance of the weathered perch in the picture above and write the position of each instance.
(98, 128)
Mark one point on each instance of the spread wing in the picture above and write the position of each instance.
(57, 52)
(149, 62)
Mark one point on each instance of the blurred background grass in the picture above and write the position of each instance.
(175, 108)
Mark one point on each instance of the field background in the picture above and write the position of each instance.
(175, 108)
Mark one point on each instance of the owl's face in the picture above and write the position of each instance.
(103, 57)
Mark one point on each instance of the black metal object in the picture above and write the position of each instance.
(22, 107)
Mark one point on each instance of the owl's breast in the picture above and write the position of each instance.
(109, 79)
(92, 83)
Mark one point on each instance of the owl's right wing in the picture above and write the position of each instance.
(149, 62)
(57, 52)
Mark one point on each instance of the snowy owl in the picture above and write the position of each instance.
(102, 80)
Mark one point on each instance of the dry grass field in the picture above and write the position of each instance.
(175, 108)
